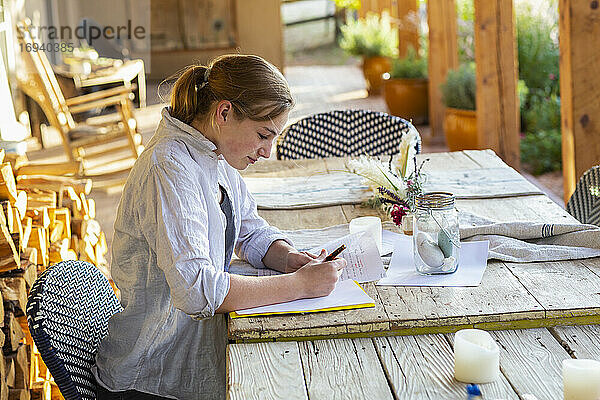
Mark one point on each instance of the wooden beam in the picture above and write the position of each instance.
(443, 56)
(579, 30)
(496, 59)
(408, 26)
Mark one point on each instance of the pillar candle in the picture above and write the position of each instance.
(370, 225)
(581, 379)
(476, 356)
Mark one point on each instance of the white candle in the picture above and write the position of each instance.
(370, 225)
(476, 356)
(581, 379)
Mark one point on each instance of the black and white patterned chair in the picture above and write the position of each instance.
(67, 312)
(584, 203)
(343, 133)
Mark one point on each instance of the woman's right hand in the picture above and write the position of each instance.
(318, 278)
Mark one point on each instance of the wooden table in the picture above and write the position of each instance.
(403, 367)
(510, 296)
(402, 348)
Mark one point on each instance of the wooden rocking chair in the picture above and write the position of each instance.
(86, 142)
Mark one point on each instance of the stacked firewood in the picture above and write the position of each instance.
(44, 219)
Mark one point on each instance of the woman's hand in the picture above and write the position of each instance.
(297, 259)
(318, 278)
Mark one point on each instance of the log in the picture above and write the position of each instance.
(9, 255)
(10, 372)
(21, 202)
(59, 251)
(39, 240)
(18, 394)
(16, 161)
(8, 187)
(64, 215)
(76, 206)
(58, 169)
(14, 290)
(27, 226)
(14, 333)
(37, 199)
(19, 358)
(54, 183)
(84, 205)
(39, 216)
(92, 208)
(8, 213)
(17, 225)
(56, 233)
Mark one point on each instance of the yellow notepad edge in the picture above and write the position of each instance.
(234, 314)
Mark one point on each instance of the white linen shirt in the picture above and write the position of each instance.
(167, 260)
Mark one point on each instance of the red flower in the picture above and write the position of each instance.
(397, 213)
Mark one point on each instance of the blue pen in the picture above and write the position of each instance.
(473, 391)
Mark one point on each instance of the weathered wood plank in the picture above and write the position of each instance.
(579, 29)
(579, 341)
(343, 369)
(499, 298)
(422, 367)
(563, 288)
(272, 167)
(304, 219)
(443, 56)
(497, 101)
(531, 359)
(265, 371)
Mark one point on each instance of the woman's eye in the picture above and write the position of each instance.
(260, 135)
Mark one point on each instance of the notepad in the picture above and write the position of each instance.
(364, 262)
(346, 295)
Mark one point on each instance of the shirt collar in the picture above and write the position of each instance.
(172, 122)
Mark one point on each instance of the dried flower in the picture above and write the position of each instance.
(396, 183)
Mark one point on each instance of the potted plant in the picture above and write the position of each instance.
(460, 122)
(405, 88)
(375, 40)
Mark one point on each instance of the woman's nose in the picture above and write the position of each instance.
(265, 151)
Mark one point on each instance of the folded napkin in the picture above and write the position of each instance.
(531, 241)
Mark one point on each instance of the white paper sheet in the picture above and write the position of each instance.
(401, 271)
(361, 254)
(346, 293)
(388, 241)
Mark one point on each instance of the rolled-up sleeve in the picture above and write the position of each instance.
(256, 235)
(173, 218)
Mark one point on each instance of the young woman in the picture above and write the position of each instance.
(184, 210)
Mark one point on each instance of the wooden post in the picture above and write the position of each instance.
(408, 26)
(443, 56)
(579, 30)
(496, 59)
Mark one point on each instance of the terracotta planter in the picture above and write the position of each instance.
(373, 68)
(407, 98)
(460, 127)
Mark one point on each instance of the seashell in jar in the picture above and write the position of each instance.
(429, 251)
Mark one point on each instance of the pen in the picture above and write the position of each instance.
(335, 253)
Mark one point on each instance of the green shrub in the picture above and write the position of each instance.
(537, 43)
(543, 113)
(370, 37)
(459, 89)
(541, 151)
(409, 67)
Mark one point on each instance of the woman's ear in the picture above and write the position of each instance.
(223, 111)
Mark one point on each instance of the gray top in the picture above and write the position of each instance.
(230, 229)
(168, 257)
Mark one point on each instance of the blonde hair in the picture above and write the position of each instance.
(255, 88)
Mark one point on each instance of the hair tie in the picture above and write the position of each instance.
(205, 80)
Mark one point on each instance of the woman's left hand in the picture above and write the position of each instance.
(297, 259)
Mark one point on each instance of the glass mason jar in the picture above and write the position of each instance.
(436, 238)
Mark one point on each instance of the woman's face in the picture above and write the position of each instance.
(243, 142)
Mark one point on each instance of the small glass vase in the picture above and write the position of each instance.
(436, 238)
(407, 224)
